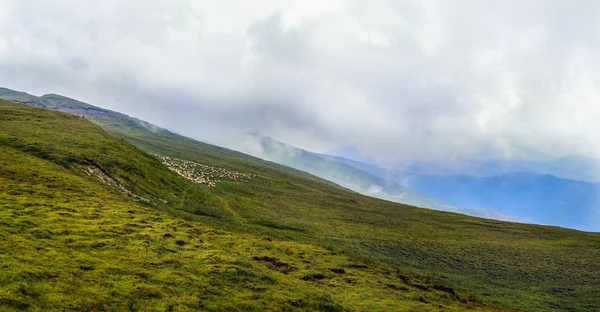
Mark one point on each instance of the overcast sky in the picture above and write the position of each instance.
(399, 80)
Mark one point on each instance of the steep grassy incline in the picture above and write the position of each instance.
(72, 239)
(530, 267)
(139, 132)
(534, 268)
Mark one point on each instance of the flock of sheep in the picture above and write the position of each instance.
(202, 174)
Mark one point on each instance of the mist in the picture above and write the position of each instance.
(398, 80)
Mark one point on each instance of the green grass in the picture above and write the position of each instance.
(528, 267)
(68, 241)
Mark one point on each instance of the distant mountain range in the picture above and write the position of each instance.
(573, 167)
(558, 191)
(541, 198)
(534, 191)
(349, 174)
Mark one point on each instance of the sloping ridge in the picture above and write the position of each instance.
(72, 238)
(145, 135)
(348, 177)
(528, 267)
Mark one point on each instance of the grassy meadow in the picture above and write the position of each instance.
(282, 240)
(69, 241)
(521, 266)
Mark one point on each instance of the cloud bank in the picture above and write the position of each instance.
(399, 80)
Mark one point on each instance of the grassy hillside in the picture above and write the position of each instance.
(71, 241)
(528, 267)
(535, 268)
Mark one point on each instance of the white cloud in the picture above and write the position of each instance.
(401, 80)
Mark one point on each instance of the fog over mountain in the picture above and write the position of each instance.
(398, 80)
(367, 182)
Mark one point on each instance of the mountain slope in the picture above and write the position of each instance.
(71, 239)
(535, 268)
(344, 175)
(358, 180)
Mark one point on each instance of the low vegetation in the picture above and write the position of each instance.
(521, 266)
(71, 241)
(469, 262)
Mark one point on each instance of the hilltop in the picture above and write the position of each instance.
(512, 265)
